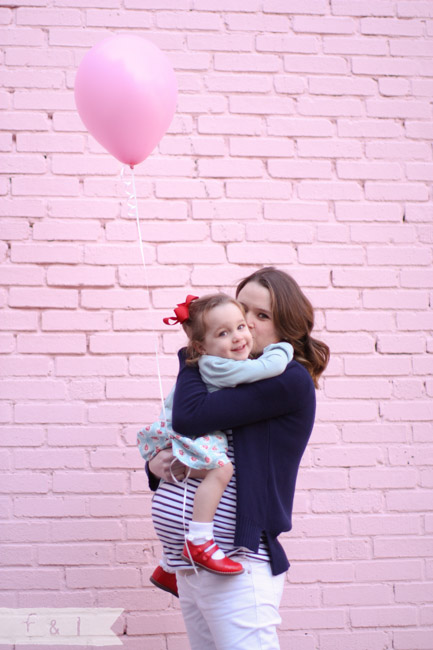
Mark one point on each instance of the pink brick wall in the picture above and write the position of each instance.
(302, 139)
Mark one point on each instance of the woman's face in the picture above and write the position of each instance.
(256, 301)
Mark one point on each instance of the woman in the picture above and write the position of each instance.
(271, 422)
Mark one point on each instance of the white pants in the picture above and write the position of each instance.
(232, 613)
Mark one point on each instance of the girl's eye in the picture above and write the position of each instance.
(241, 326)
(223, 333)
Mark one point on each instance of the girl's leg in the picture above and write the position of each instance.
(210, 491)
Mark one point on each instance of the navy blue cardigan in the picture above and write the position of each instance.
(271, 422)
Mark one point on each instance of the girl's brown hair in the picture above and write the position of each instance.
(293, 317)
(195, 326)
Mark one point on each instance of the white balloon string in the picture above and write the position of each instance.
(133, 212)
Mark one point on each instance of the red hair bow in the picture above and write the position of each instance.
(181, 311)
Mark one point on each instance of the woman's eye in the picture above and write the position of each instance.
(263, 316)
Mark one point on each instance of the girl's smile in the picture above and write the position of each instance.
(227, 334)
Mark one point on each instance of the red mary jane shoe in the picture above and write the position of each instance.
(164, 580)
(201, 555)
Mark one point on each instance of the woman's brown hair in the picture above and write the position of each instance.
(195, 326)
(293, 317)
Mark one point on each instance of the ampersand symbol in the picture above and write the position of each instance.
(53, 628)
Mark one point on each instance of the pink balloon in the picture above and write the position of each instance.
(126, 92)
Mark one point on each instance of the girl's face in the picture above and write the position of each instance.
(256, 300)
(227, 334)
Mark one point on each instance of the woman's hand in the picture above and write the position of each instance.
(163, 467)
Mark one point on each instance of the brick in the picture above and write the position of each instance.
(353, 640)
(60, 298)
(369, 128)
(401, 344)
(31, 579)
(391, 27)
(397, 150)
(91, 366)
(48, 459)
(419, 213)
(383, 479)
(317, 64)
(136, 276)
(361, 8)
(419, 171)
(357, 343)
(197, 189)
(289, 84)
(22, 208)
(296, 210)
(399, 108)
(417, 129)
(51, 344)
(299, 169)
(407, 570)
(368, 170)
(362, 388)
(239, 168)
(276, 232)
(384, 524)
(26, 275)
(342, 45)
(383, 299)
(114, 299)
(257, 22)
(296, 6)
(70, 276)
(82, 482)
(25, 186)
(224, 5)
(13, 229)
(61, 413)
(73, 554)
(285, 126)
(396, 192)
(228, 276)
(227, 232)
(120, 343)
(247, 63)
(40, 57)
(413, 8)
(398, 255)
(32, 389)
(373, 65)
(394, 86)
(53, 320)
(257, 254)
(326, 25)
(383, 616)
(395, 234)
(329, 191)
(341, 86)
(24, 366)
(108, 254)
(32, 78)
(22, 164)
(46, 253)
(283, 43)
(349, 411)
(367, 212)
(12, 320)
(173, 253)
(49, 507)
(258, 189)
(102, 578)
(417, 639)
(325, 148)
(7, 343)
(407, 410)
(188, 20)
(358, 595)
(330, 255)
(39, 142)
(377, 366)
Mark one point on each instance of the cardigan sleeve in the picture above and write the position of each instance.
(197, 412)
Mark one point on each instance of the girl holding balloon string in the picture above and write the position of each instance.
(220, 343)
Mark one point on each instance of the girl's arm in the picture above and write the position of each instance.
(227, 373)
(196, 411)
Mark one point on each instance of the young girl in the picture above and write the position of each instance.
(220, 343)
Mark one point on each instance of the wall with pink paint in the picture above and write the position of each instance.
(302, 139)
